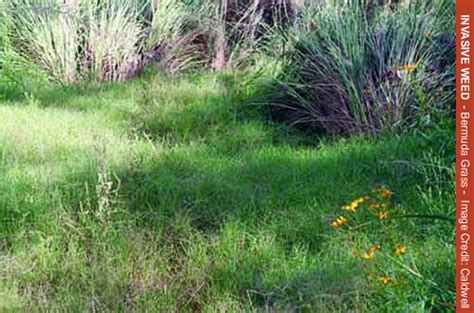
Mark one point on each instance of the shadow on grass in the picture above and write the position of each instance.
(293, 193)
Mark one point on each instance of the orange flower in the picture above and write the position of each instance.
(377, 205)
(351, 207)
(399, 250)
(385, 279)
(341, 220)
(355, 204)
(383, 191)
(375, 248)
(383, 215)
(408, 68)
(368, 255)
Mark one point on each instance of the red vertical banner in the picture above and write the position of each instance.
(464, 158)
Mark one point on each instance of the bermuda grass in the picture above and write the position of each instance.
(176, 195)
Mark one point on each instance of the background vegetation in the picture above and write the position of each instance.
(227, 156)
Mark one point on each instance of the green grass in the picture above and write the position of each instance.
(175, 195)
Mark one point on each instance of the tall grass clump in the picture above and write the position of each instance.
(224, 34)
(48, 33)
(16, 72)
(95, 40)
(359, 67)
(242, 28)
(113, 41)
(76, 40)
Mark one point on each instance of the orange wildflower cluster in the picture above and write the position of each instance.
(371, 253)
(378, 205)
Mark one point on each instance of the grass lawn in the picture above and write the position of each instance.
(177, 195)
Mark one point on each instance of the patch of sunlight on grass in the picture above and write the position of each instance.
(41, 142)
